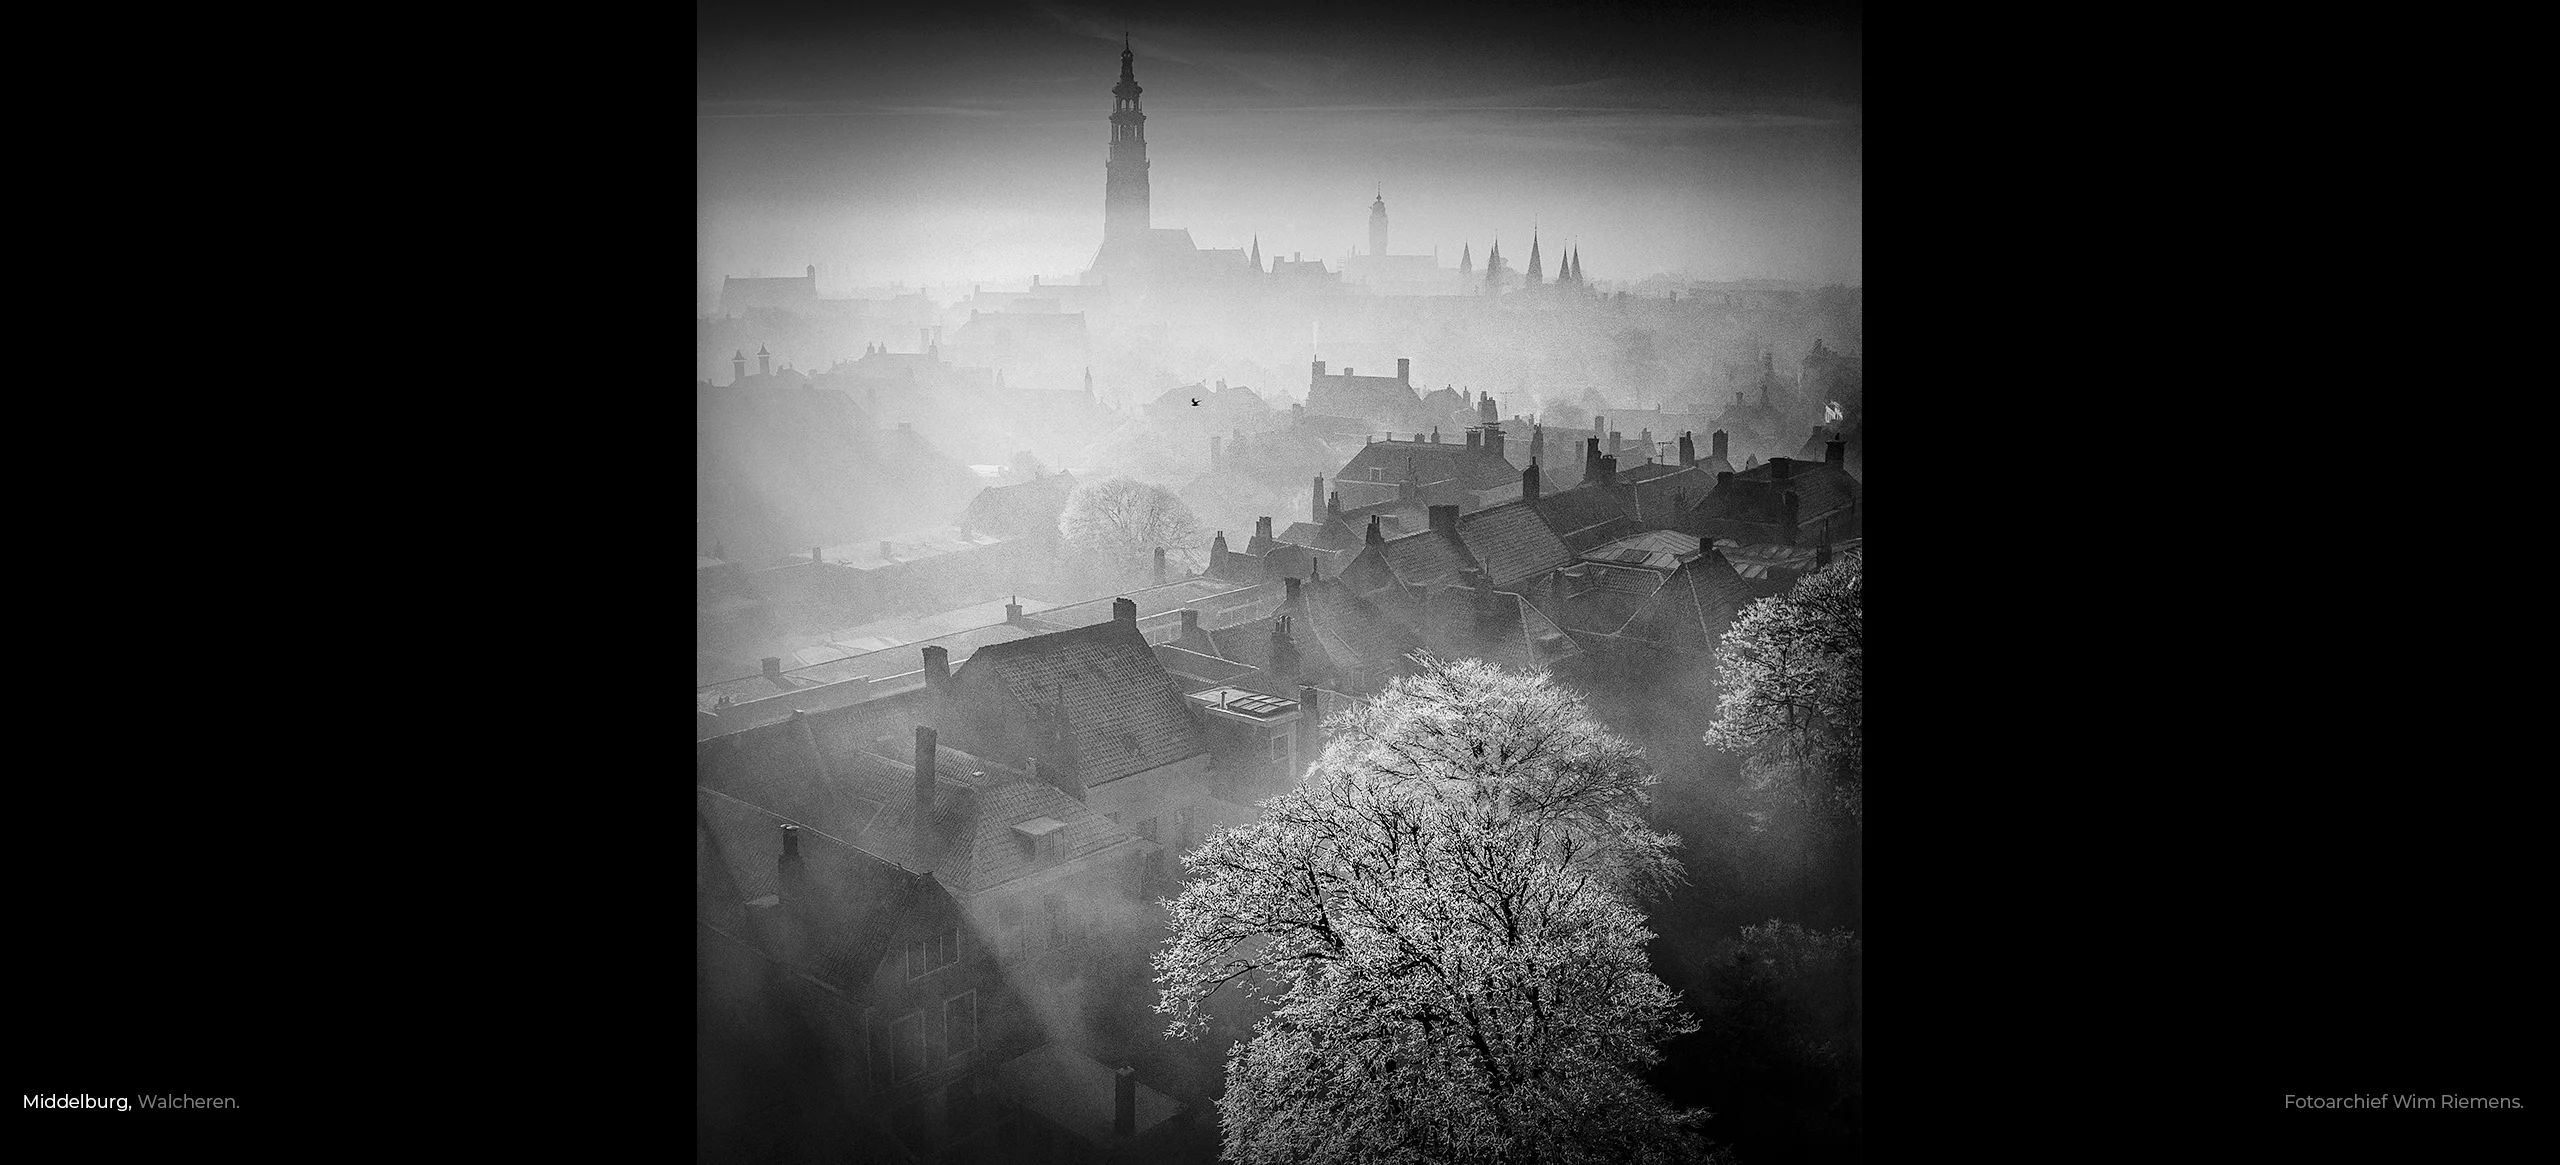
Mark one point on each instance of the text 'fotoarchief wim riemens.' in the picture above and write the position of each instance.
(2397, 1101)
(125, 1103)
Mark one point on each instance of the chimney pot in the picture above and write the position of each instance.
(1404, 370)
(1190, 622)
(773, 668)
(1125, 610)
(1608, 470)
(1124, 1102)
(937, 666)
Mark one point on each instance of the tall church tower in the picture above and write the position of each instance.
(1378, 225)
(1124, 195)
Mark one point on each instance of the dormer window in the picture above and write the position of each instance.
(1040, 837)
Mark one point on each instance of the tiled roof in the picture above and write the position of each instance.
(1369, 572)
(860, 900)
(1511, 542)
(1105, 687)
(1820, 488)
(1430, 558)
(971, 847)
(1473, 467)
(1023, 508)
(1585, 514)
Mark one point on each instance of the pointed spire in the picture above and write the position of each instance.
(1533, 257)
(1257, 251)
(1467, 260)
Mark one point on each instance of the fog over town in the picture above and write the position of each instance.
(1279, 587)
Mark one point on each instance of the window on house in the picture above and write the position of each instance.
(1280, 749)
(933, 953)
(960, 1023)
(1376, 474)
(906, 1046)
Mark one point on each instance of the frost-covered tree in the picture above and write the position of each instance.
(1791, 690)
(1444, 919)
(1123, 521)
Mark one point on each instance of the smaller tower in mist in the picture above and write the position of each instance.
(1378, 225)
(1533, 276)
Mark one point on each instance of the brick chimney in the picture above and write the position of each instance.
(1404, 370)
(1608, 471)
(1836, 452)
(1719, 440)
(1591, 459)
(1779, 467)
(925, 747)
(1529, 483)
(1190, 622)
(1317, 513)
(1644, 440)
(1688, 450)
(1493, 439)
(1284, 650)
(1599, 424)
(1332, 506)
(937, 666)
(1125, 610)
(1124, 1102)
(1444, 519)
(738, 366)
(1475, 439)
(773, 668)
(1291, 602)
(764, 362)
(1318, 372)
(1435, 434)
(1373, 537)
(1159, 566)
(1616, 442)
(1013, 611)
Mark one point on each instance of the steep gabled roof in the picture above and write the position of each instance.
(1511, 542)
(1121, 711)
(1429, 557)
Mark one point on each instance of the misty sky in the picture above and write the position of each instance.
(967, 143)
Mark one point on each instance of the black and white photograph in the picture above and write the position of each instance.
(1279, 586)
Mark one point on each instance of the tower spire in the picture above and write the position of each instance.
(1533, 256)
(1124, 201)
